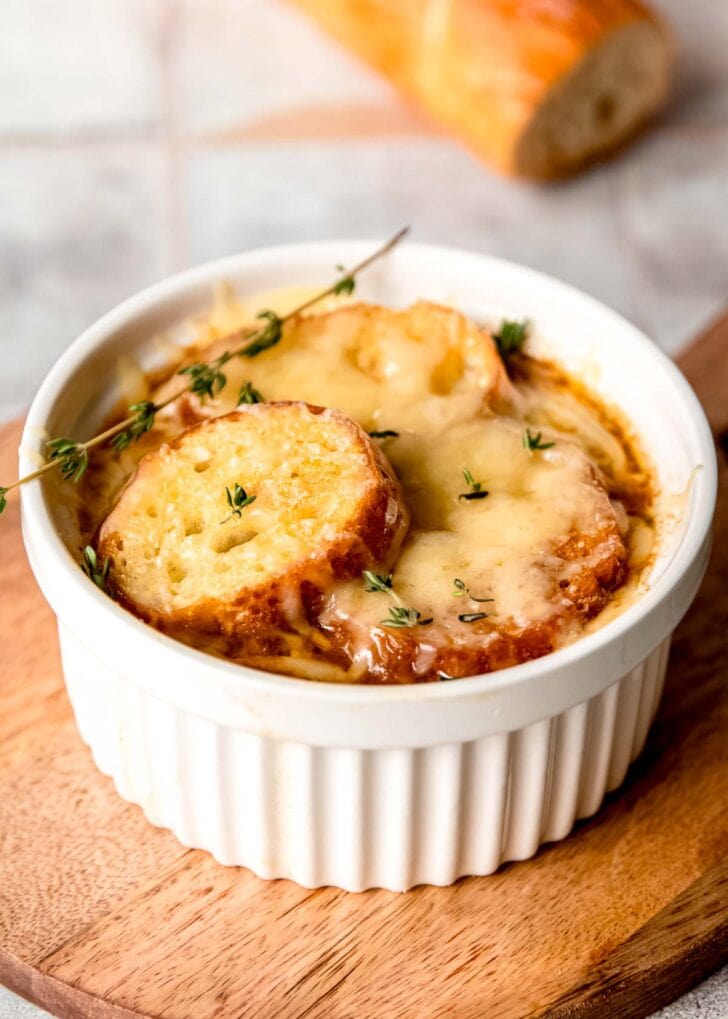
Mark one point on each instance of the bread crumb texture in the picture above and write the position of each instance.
(326, 505)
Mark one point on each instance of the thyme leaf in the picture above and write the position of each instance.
(510, 337)
(238, 499)
(248, 394)
(207, 379)
(476, 488)
(98, 572)
(144, 412)
(385, 433)
(346, 284)
(399, 617)
(472, 617)
(377, 581)
(461, 589)
(533, 442)
(267, 336)
(72, 458)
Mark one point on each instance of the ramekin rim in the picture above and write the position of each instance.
(36, 516)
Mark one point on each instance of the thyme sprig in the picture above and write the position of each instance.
(476, 487)
(70, 457)
(98, 572)
(533, 442)
(510, 337)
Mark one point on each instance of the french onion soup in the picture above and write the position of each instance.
(380, 496)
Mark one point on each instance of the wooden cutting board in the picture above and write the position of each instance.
(102, 915)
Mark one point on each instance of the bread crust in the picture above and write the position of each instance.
(256, 616)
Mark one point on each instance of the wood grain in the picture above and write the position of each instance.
(103, 916)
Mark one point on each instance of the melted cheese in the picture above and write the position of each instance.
(436, 379)
(502, 547)
(421, 369)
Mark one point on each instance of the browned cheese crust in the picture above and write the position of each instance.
(579, 576)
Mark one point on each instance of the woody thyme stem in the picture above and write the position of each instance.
(343, 285)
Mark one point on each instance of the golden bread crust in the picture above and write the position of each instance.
(183, 561)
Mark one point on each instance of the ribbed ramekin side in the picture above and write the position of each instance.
(357, 818)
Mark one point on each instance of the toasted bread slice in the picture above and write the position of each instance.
(501, 569)
(317, 502)
(422, 368)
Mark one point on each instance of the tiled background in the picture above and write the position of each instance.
(141, 136)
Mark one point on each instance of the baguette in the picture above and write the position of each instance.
(536, 88)
(323, 505)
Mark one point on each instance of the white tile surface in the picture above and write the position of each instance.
(672, 209)
(268, 59)
(262, 193)
(78, 66)
(701, 27)
(13, 1007)
(80, 230)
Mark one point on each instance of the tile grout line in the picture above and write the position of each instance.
(170, 22)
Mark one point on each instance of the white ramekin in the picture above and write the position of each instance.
(374, 786)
